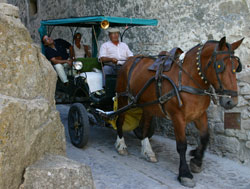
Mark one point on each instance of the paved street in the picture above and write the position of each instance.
(113, 171)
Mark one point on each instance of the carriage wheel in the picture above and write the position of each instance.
(138, 132)
(78, 125)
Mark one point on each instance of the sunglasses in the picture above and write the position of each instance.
(46, 38)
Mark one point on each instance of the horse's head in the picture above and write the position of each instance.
(220, 70)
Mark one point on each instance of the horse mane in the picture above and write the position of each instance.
(209, 41)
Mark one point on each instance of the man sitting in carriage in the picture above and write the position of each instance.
(56, 52)
(113, 53)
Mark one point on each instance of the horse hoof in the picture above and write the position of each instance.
(187, 182)
(123, 152)
(195, 168)
(121, 146)
(151, 158)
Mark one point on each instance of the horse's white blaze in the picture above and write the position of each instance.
(120, 144)
(147, 151)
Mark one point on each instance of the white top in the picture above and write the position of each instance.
(121, 51)
(79, 53)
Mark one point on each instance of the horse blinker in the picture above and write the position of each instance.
(239, 68)
(219, 66)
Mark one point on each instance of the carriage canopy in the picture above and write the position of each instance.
(94, 23)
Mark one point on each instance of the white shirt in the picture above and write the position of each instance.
(79, 53)
(120, 52)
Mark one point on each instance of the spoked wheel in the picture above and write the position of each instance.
(78, 125)
(138, 132)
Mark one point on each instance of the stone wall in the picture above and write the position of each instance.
(30, 125)
(181, 23)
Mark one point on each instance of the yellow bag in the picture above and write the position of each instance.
(132, 118)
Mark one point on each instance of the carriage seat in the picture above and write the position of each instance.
(167, 59)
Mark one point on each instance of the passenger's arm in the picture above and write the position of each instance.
(106, 59)
(86, 49)
(56, 60)
(71, 52)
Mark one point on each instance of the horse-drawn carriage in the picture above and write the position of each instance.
(177, 85)
(85, 91)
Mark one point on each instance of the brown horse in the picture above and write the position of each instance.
(205, 65)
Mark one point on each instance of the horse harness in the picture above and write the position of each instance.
(219, 67)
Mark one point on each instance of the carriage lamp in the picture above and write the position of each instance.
(105, 24)
(77, 65)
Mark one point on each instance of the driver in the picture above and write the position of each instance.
(56, 52)
(113, 53)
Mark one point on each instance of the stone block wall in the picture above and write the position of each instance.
(181, 23)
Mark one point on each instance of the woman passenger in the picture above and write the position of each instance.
(80, 50)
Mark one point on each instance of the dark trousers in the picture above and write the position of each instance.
(109, 70)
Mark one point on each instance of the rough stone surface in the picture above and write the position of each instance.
(30, 126)
(219, 128)
(245, 90)
(246, 124)
(227, 144)
(9, 10)
(181, 23)
(244, 76)
(57, 172)
(248, 134)
(248, 144)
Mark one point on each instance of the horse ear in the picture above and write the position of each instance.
(178, 52)
(236, 44)
(222, 43)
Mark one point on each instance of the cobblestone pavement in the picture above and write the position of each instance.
(111, 170)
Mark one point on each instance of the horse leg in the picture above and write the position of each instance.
(185, 177)
(198, 153)
(146, 149)
(120, 145)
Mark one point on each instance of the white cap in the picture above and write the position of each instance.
(113, 30)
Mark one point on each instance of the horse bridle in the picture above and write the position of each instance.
(219, 67)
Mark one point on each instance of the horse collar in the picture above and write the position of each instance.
(198, 64)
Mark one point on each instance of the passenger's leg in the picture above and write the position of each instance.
(67, 70)
(61, 73)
